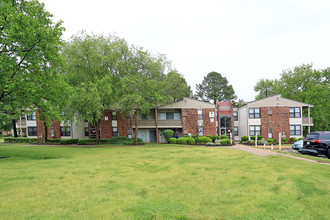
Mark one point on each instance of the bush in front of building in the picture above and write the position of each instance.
(244, 138)
(270, 141)
(210, 136)
(225, 142)
(168, 134)
(182, 140)
(191, 140)
(203, 140)
(285, 140)
(258, 138)
(293, 139)
(215, 137)
(275, 141)
(173, 140)
(86, 141)
(69, 141)
(224, 137)
(302, 138)
(54, 141)
(20, 140)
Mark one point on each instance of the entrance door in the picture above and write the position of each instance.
(270, 132)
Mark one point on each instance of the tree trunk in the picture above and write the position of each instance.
(136, 127)
(97, 133)
(14, 128)
(45, 133)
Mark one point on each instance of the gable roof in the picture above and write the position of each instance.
(188, 103)
(276, 100)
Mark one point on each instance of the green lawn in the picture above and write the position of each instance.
(153, 182)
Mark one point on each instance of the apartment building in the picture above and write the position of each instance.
(267, 117)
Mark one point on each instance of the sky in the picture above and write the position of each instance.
(243, 40)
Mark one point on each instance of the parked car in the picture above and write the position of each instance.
(298, 145)
(317, 143)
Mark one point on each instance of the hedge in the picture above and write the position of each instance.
(191, 140)
(86, 141)
(20, 140)
(182, 140)
(69, 141)
(270, 140)
(244, 138)
(203, 140)
(293, 139)
(284, 140)
(172, 140)
(215, 137)
(224, 137)
(259, 137)
(168, 134)
(225, 142)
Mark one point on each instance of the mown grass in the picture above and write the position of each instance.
(158, 182)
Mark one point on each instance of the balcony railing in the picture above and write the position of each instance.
(307, 121)
(161, 123)
(19, 124)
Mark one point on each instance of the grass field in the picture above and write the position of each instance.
(153, 182)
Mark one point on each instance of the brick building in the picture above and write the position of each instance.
(267, 117)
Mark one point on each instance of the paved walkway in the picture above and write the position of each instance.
(264, 153)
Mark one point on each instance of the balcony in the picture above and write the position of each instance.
(307, 121)
(150, 123)
(19, 124)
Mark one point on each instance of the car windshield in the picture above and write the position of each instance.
(312, 136)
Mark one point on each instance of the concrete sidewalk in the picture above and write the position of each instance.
(264, 153)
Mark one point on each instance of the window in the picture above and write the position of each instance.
(235, 114)
(32, 116)
(200, 114)
(254, 113)
(86, 131)
(295, 112)
(254, 130)
(226, 121)
(200, 130)
(235, 131)
(169, 116)
(114, 131)
(177, 116)
(114, 115)
(32, 131)
(295, 130)
(65, 131)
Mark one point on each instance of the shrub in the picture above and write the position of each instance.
(260, 137)
(225, 142)
(215, 137)
(262, 141)
(168, 134)
(293, 139)
(33, 140)
(54, 141)
(194, 136)
(224, 137)
(250, 141)
(253, 138)
(68, 141)
(105, 141)
(191, 140)
(172, 140)
(182, 140)
(302, 138)
(274, 141)
(284, 140)
(244, 138)
(204, 140)
(270, 140)
(210, 136)
(187, 136)
(86, 141)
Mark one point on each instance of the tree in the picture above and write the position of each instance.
(94, 65)
(143, 87)
(176, 86)
(215, 87)
(29, 48)
(265, 88)
(304, 84)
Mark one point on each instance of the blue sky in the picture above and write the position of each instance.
(243, 40)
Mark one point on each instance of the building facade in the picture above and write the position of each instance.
(267, 117)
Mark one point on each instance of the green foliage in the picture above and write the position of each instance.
(54, 141)
(187, 136)
(262, 141)
(260, 137)
(182, 140)
(302, 138)
(215, 137)
(168, 134)
(69, 141)
(176, 86)
(293, 139)
(244, 138)
(203, 140)
(191, 140)
(86, 141)
(250, 141)
(284, 140)
(215, 87)
(194, 136)
(20, 140)
(303, 84)
(270, 140)
(225, 142)
(224, 137)
(253, 138)
(275, 141)
(210, 136)
(172, 140)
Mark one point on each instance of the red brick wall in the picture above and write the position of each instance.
(55, 125)
(279, 120)
(209, 127)
(191, 121)
(106, 126)
(122, 124)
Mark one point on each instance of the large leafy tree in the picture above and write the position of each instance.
(29, 55)
(215, 87)
(304, 84)
(176, 86)
(94, 65)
